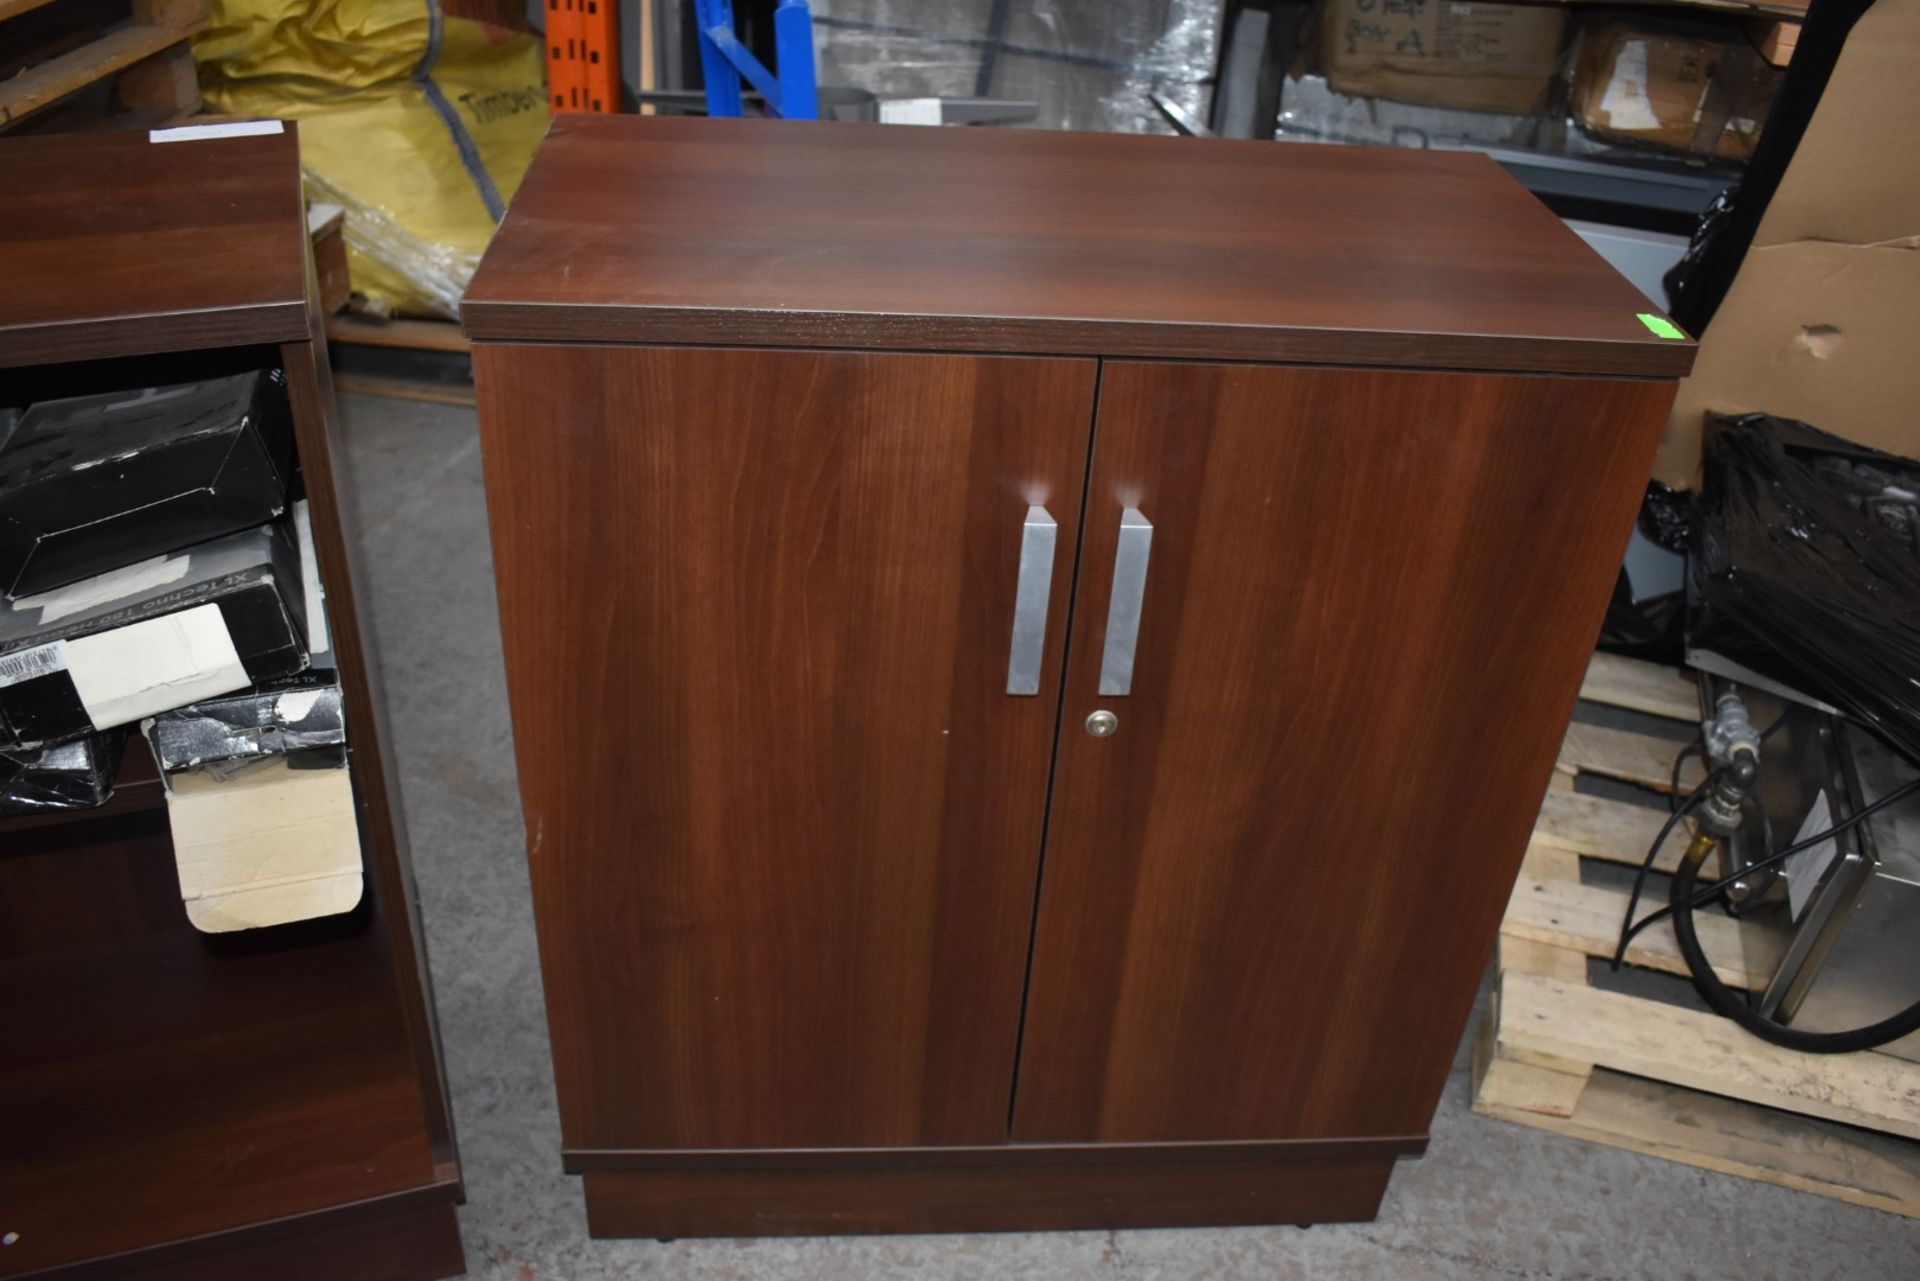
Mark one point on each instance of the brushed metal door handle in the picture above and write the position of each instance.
(1030, 598)
(1124, 605)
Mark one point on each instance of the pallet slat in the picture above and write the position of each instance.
(1631, 757)
(1640, 1074)
(46, 84)
(1641, 686)
(1712, 1133)
(414, 335)
(1596, 827)
(14, 8)
(1586, 919)
(1541, 1016)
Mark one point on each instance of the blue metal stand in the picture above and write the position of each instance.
(724, 61)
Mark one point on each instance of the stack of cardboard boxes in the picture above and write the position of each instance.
(1679, 86)
(1819, 323)
(157, 571)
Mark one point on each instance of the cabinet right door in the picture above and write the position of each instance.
(1271, 883)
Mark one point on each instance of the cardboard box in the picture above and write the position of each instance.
(271, 846)
(91, 483)
(169, 631)
(1443, 53)
(1687, 89)
(1819, 323)
(70, 776)
(300, 715)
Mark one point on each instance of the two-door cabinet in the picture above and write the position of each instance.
(1033, 656)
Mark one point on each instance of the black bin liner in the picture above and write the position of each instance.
(1653, 626)
(1806, 567)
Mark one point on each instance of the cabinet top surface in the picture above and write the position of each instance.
(114, 245)
(759, 232)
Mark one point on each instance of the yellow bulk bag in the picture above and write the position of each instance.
(419, 124)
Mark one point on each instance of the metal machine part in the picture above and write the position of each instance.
(1837, 927)
(1733, 749)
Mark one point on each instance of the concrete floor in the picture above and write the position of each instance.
(1489, 1199)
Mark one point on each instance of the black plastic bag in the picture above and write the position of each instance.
(1651, 624)
(1806, 567)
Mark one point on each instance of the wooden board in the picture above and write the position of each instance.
(1263, 769)
(151, 46)
(783, 818)
(784, 233)
(1644, 687)
(413, 335)
(1650, 1076)
(14, 8)
(1644, 760)
(216, 257)
(1559, 911)
(1713, 1133)
(1569, 1023)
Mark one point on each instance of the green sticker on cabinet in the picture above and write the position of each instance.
(1661, 326)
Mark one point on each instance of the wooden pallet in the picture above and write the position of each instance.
(147, 56)
(1638, 1073)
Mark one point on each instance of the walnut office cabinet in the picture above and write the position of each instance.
(1033, 656)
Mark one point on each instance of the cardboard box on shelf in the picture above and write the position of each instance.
(91, 483)
(1443, 53)
(300, 714)
(1819, 323)
(71, 776)
(273, 845)
(169, 631)
(1687, 88)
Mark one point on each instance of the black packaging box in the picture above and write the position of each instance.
(92, 483)
(70, 776)
(146, 638)
(298, 715)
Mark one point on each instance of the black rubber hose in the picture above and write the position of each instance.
(1728, 1003)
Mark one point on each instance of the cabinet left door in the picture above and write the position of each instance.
(783, 816)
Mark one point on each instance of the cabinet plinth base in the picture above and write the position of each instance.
(415, 1240)
(817, 1193)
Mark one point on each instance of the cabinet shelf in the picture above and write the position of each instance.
(176, 1088)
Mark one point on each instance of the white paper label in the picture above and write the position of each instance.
(1625, 102)
(41, 660)
(295, 704)
(155, 665)
(238, 129)
(910, 111)
(1805, 869)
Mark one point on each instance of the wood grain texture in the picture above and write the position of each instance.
(376, 781)
(166, 1088)
(111, 245)
(180, 1106)
(397, 1238)
(1267, 899)
(782, 820)
(1791, 1151)
(77, 878)
(1122, 1188)
(660, 229)
(591, 1161)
